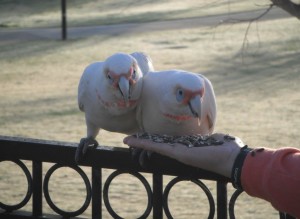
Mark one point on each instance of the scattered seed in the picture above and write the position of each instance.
(188, 140)
(229, 138)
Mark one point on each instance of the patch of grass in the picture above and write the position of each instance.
(39, 78)
(34, 13)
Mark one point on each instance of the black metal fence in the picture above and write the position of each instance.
(119, 159)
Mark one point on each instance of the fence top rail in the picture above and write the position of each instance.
(13, 148)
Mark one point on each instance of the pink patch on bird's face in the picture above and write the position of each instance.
(118, 104)
(116, 77)
(188, 95)
(177, 117)
(123, 104)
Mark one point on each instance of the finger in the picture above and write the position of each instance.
(143, 159)
(161, 148)
(125, 140)
(135, 152)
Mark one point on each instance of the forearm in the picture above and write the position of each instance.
(274, 175)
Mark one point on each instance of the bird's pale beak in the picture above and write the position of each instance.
(195, 106)
(124, 87)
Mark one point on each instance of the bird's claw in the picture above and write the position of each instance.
(143, 157)
(83, 146)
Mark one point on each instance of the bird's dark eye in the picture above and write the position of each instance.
(179, 95)
(110, 79)
(133, 76)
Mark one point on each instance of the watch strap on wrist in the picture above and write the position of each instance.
(237, 167)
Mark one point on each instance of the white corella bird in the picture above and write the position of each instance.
(108, 94)
(144, 61)
(177, 103)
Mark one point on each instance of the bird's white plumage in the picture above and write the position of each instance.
(108, 94)
(169, 99)
(144, 61)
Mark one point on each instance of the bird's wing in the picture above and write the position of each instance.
(85, 83)
(209, 111)
(146, 99)
(144, 62)
(139, 116)
(81, 91)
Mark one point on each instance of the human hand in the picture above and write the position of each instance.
(218, 159)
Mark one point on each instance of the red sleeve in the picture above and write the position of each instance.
(274, 175)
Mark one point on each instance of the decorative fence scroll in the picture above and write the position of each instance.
(61, 154)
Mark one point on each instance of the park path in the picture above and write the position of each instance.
(9, 34)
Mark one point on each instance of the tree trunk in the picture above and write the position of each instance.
(290, 7)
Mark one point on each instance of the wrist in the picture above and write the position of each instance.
(237, 167)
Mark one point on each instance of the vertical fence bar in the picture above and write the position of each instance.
(37, 197)
(285, 216)
(96, 193)
(64, 19)
(221, 200)
(157, 196)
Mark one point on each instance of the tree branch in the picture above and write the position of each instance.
(289, 6)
